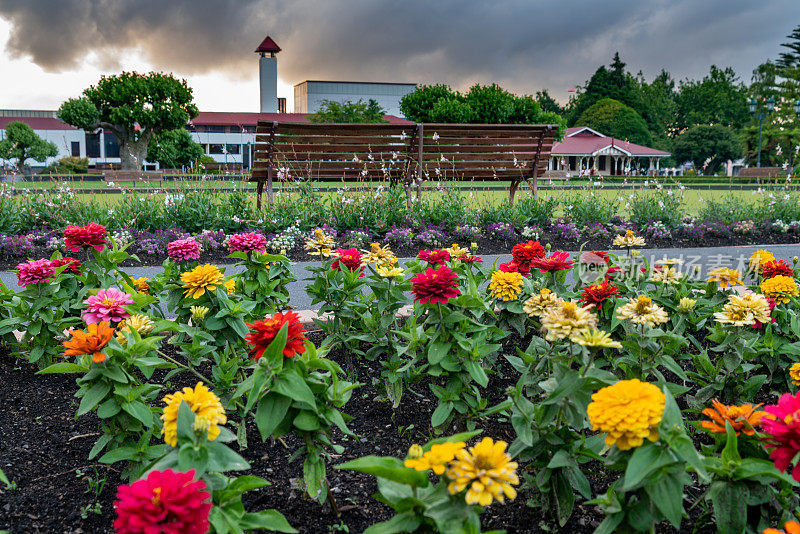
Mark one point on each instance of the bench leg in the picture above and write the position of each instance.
(512, 191)
(534, 185)
(259, 192)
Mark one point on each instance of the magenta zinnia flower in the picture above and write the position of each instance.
(34, 272)
(557, 261)
(349, 257)
(166, 502)
(783, 428)
(107, 305)
(248, 242)
(513, 267)
(92, 235)
(183, 250)
(435, 286)
(435, 256)
(73, 265)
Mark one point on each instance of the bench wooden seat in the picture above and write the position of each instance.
(760, 173)
(557, 175)
(400, 153)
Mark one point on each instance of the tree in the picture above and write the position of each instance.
(610, 117)
(707, 146)
(348, 111)
(792, 57)
(173, 148)
(548, 103)
(615, 83)
(68, 165)
(418, 105)
(719, 98)
(21, 143)
(135, 107)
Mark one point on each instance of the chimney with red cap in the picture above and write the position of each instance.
(268, 74)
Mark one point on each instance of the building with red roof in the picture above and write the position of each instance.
(586, 151)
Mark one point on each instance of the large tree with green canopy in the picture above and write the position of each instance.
(21, 143)
(707, 146)
(173, 149)
(611, 117)
(135, 107)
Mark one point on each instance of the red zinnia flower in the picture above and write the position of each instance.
(263, 332)
(783, 428)
(757, 325)
(469, 258)
(598, 293)
(775, 268)
(166, 502)
(524, 253)
(34, 272)
(249, 242)
(350, 258)
(513, 267)
(73, 265)
(92, 235)
(435, 286)
(557, 261)
(604, 255)
(434, 256)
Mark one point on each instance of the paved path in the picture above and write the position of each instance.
(706, 258)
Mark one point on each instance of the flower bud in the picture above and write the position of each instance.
(201, 425)
(473, 247)
(415, 451)
(198, 312)
(686, 305)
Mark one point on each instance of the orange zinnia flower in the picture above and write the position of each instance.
(742, 418)
(96, 337)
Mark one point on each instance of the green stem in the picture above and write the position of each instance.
(186, 367)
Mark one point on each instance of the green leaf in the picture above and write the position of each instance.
(645, 460)
(271, 520)
(731, 451)
(93, 396)
(441, 413)
(290, 384)
(476, 372)
(437, 351)
(271, 410)
(667, 494)
(389, 468)
(730, 514)
(63, 367)
(313, 473)
(241, 485)
(140, 412)
(118, 455)
(306, 421)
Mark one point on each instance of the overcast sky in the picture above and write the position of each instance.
(52, 49)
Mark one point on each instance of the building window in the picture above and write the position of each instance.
(75, 149)
(92, 145)
(112, 145)
(602, 163)
(216, 148)
(233, 149)
(573, 164)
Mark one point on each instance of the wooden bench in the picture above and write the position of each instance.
(557, 175)
(223, 167)
(134, 176)
(400, 153)
(760, 173)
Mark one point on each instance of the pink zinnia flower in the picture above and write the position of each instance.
(34, 272)
(107, 305)
(92, 235)
(73, 265)
(513, 267)
(557, 261)
(783, 428)
(435, 286)
(183, 250)
(435, 256)
(248, 242)
(350, 258)
(166, 502)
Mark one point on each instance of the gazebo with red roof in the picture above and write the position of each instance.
(587, 151)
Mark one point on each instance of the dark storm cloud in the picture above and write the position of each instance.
(523, 44)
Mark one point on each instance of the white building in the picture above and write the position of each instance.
(310, 94)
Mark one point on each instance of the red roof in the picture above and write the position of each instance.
(583, 141)
(37, 123)
(251, 119)
(268, 45)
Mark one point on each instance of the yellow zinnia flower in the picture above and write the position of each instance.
(435, 459)
(381, 256)
(201, 279)
(139, 322)
(742, 310)
(779, 288)
(629, 411)
(685, 305)
(596, 339)
(486, 470)
(567, 320)
(794, 373)
(319, 244)
(230, 285)
(666, 275)
(505, 286)
(389, 271)
(140, 284)
(628, 240)
(642, 310)
(538, 305)
(202, 402)
(726, 277)
(759, 258)
(456, 251)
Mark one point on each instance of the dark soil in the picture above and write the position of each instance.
(44, 451)
(485, 246)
